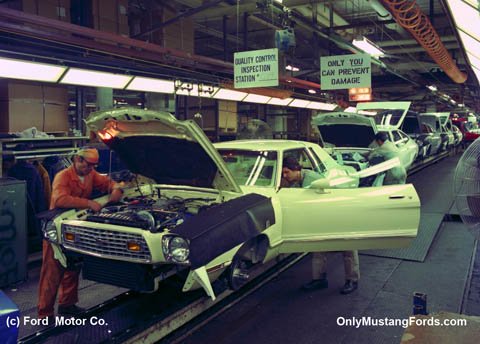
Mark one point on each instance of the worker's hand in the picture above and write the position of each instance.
(115, 196)
(95, 206)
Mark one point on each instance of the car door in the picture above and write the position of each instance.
(401, 143)
(345, 219)
(410, 147)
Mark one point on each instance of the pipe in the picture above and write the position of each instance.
(409, 15)
(384, 15)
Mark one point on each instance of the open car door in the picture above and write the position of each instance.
(317, 220)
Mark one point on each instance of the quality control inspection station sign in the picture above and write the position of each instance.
(345, 71)
(256, 68)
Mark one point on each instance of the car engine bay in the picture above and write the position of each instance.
(152, 213)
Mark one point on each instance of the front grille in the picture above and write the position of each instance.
(120, 219)
(106, 243)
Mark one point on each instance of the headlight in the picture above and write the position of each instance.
(50, 231)
(175, 248)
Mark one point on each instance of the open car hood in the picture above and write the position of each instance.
(345, 129)
(158, 146)
(387, 119)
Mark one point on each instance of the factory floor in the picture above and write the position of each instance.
(280, 312)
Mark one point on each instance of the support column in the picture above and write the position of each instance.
(160, 102)
(104, 98)
(80, 107)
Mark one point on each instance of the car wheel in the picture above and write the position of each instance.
(239, 273)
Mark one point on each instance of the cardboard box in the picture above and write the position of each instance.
(10, 90)
(13, 90)
(20, 115)
(55, 94)
(56, 117)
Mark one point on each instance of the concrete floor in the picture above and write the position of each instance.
(280, 312)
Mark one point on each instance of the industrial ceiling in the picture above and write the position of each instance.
(321, 28)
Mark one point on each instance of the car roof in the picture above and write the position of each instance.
(256, 145)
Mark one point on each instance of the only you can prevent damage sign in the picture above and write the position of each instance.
(345, 71)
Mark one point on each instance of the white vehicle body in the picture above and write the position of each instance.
(351, 133)
(438, 121)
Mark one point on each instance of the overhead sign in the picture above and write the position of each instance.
(256, 68)
(345, 71)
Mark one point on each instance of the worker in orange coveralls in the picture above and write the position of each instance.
(72, 188)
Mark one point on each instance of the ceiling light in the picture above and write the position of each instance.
(432, 88)
(368, 46)
(350, 109)
(151, 85)
(280, 101)
(321, 106)
(312, 91)
(292, 68)
(227, 94)
(17, 69)
(256, 98)
(301, 103)
(91, 78)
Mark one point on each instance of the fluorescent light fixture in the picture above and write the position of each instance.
(432, 88)
(367, 113)
(227, 94)
(453, 101)
(474, 61)
(470, 44)
(24, 70)
(350, 109)
(301, 103)
(321, 106)
(92, 78)
(151, 85)
(292, 68)
(461, 105)
(466, 17)
(368, 46)
(256, 98)
(312, 91)
(280, 101)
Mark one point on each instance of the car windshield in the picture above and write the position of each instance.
(251, 167)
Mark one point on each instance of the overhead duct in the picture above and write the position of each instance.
(409, 15)
(383, 15)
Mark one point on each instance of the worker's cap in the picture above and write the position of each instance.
(89, 154)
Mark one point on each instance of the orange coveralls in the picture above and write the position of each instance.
(68, 191)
